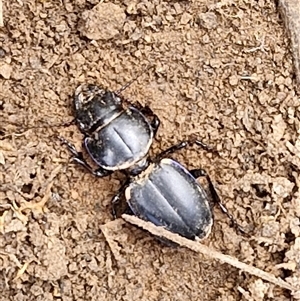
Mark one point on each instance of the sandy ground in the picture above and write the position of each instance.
(223, 71)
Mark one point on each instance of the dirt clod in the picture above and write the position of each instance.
(103, 21)
(5, 70)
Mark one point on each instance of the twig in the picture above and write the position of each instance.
(1, 14)
(200, 248)
(290, 12)
(114, 247)
(261, 47)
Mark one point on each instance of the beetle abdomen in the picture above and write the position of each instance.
(122, 142)
(169, 196)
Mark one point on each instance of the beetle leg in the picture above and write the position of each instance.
(155, 120)
(171, 150)
(78, 158)
(203, 145)
(118, 198)
(196, 173)
(70, 147)
(155, 124)
(181, 145)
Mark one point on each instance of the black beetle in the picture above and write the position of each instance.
(162, 190)
(117, 137)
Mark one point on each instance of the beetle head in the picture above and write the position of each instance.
(95, 107)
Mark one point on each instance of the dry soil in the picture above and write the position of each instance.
(223, 72)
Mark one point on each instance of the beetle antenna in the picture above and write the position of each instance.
(65, 124)
(118, 92)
